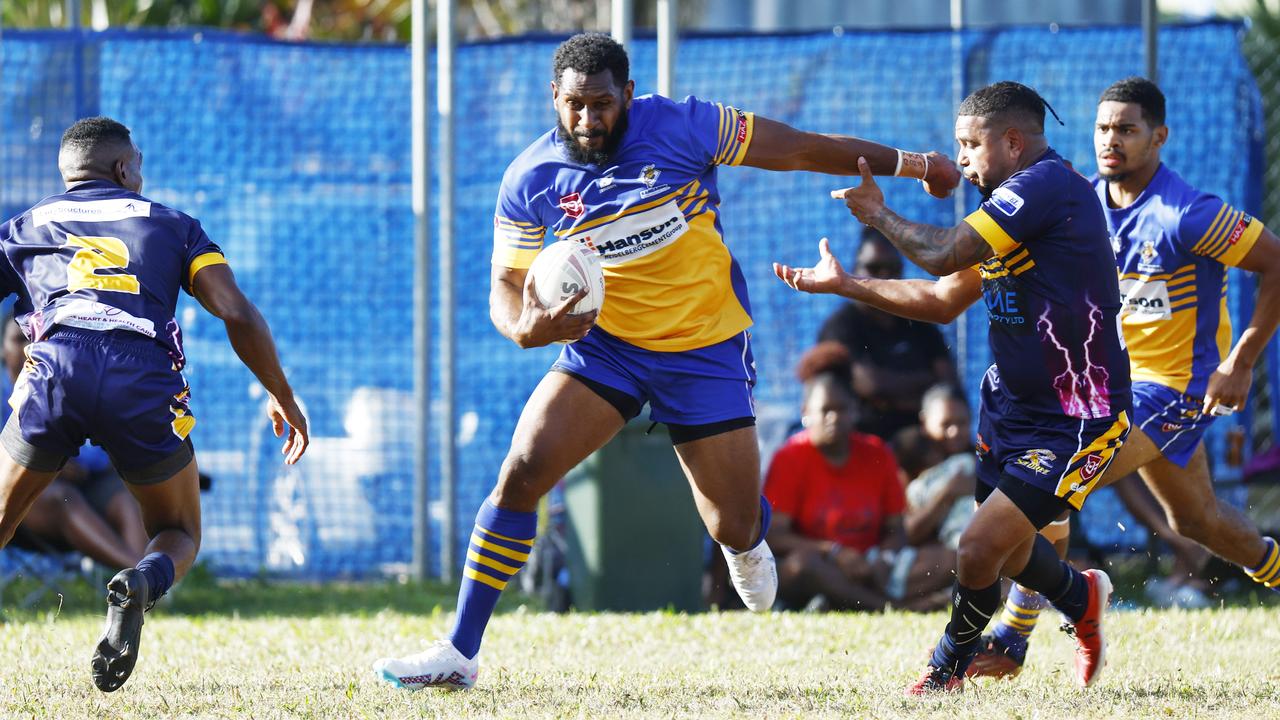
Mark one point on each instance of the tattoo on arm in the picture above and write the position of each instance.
(940, 251)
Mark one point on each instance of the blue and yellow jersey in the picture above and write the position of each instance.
(1051, 297)
(100, 257)
(653, 215)
(1172, 246)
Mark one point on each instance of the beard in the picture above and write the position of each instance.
(592, 156)
(1112, 176)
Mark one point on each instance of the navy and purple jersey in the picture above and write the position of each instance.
(99, 257)
(1173, 245)
(1052, 295)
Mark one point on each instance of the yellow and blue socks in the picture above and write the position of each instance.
(500, 545)
(1021, 611)
(157, 568)
(971, 610)
(1267, 571)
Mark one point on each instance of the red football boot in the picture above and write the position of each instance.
(935, 681)
(1091, 645)
(994, 660)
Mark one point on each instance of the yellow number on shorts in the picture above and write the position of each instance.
(99, 253)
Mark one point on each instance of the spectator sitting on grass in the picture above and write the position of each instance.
(838, 504)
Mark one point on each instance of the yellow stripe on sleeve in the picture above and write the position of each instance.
(1222, 239)
(1213, 228)
(715, 157)
(995, 235)
(517, 258)
(746, 141)
(1234, 254)
(481, 577)
(201, 262)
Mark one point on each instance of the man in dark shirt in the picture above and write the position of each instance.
(894, 359)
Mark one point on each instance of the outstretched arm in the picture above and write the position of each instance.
(939, 301)
(1229, 384)
(940, 251)
(778, 146)
(215, 287)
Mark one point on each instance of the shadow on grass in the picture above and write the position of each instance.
(200, 593)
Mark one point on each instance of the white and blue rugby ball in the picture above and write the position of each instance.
(562, 269)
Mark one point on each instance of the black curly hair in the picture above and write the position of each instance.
(1006, 100)
(88, 133)
(1141, 91)
(590, 53)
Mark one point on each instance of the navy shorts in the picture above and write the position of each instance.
(1063, 456)
(699, 387)
(1171, 419)
(116, 388)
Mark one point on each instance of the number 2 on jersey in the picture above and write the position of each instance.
(99, 253)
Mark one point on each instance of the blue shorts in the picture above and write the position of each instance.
(1171, 419)
(117, 388)
(693, 387)
(1063, 456)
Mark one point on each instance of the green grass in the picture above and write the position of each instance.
(286, 651)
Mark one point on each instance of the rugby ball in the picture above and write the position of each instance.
(562, 269)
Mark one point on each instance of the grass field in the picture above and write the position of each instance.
(253, 650)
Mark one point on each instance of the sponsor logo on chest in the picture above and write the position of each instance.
(635, 236)
(1144, 300)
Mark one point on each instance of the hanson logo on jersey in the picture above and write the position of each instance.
(634, 236)
(1144, 301)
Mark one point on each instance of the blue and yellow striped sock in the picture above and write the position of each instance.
(1021, 611)
(500, 546)
(1267, 571)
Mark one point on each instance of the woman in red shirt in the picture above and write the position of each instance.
(837, 498)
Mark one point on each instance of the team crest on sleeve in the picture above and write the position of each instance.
(1038, 461)
(572, 205)
(1006, 201)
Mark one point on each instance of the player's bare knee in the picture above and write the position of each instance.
(976, 562)
(522, 482)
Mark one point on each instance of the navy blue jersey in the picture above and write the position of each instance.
(1052, 294)
(99, 257)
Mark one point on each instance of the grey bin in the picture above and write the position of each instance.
(635, 537)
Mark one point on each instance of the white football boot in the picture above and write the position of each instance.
(754, 575)
(440, 665)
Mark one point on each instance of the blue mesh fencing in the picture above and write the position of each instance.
(296, 158)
